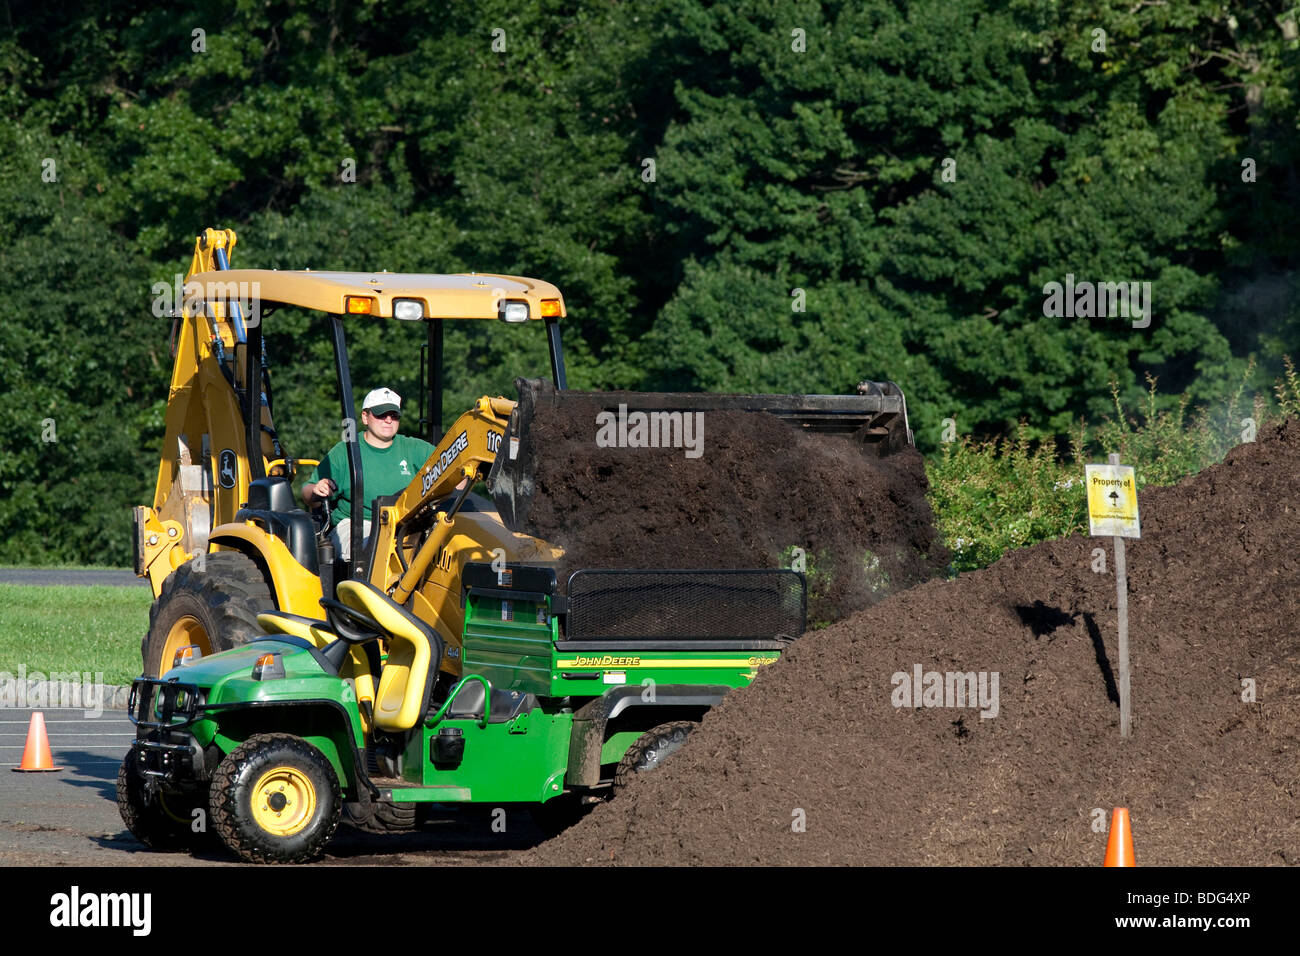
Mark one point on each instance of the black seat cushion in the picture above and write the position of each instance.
(506, 704)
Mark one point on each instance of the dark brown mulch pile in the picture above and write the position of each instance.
(1209, 779)
(759, 488)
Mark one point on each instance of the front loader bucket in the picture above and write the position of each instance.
(876, 417)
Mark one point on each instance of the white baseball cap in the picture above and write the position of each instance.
(382, 400)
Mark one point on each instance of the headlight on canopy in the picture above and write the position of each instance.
(512, 311)
(408, 310)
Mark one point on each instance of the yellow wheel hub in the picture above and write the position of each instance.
(187, 630)
(284, 801)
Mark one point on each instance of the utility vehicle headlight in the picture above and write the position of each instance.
(268, 667)
(187, 655)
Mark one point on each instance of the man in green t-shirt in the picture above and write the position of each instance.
(388, 463)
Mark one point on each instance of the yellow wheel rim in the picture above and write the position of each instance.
(187, 630)
(284, 801)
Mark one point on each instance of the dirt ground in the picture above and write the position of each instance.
(815, 763)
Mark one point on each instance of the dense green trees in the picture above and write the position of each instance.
(733, 196)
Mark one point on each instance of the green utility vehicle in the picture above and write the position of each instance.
(563, 696)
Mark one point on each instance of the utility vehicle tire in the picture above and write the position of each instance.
(275, 799)
(165, 822)
(651, 749)
(214, 606)
(383, 818)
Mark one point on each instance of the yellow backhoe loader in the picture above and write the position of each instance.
(224, 538)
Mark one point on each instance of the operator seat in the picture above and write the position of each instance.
(414, 656)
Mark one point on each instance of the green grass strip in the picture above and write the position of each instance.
(64, 629)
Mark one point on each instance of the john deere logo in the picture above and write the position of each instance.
(226, 468)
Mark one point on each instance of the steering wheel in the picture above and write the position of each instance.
(355, 627)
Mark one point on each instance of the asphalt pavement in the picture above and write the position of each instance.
(114, 577)
(67, 816)
(70, 816)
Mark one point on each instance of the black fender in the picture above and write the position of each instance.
(591, 722)
(241, 720)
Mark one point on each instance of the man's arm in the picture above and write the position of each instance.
(321, 486)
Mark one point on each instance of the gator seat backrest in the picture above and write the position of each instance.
(364, 660)
(311, 629)
(414, 655)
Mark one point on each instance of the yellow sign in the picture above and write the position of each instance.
(1112, 500)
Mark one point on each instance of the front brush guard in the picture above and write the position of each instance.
(164, 750)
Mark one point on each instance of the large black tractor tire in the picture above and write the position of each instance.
(650, 750)
(275, 799)
(163, 821)
(211, 602)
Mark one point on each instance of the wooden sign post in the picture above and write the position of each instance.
(1113, 511)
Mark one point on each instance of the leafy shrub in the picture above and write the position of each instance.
(994, 496)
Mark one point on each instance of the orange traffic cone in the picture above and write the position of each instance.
(1119, 846)
(36, 755)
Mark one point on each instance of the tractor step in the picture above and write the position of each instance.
(414, 793)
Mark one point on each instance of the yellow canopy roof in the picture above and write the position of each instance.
(462, 296)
